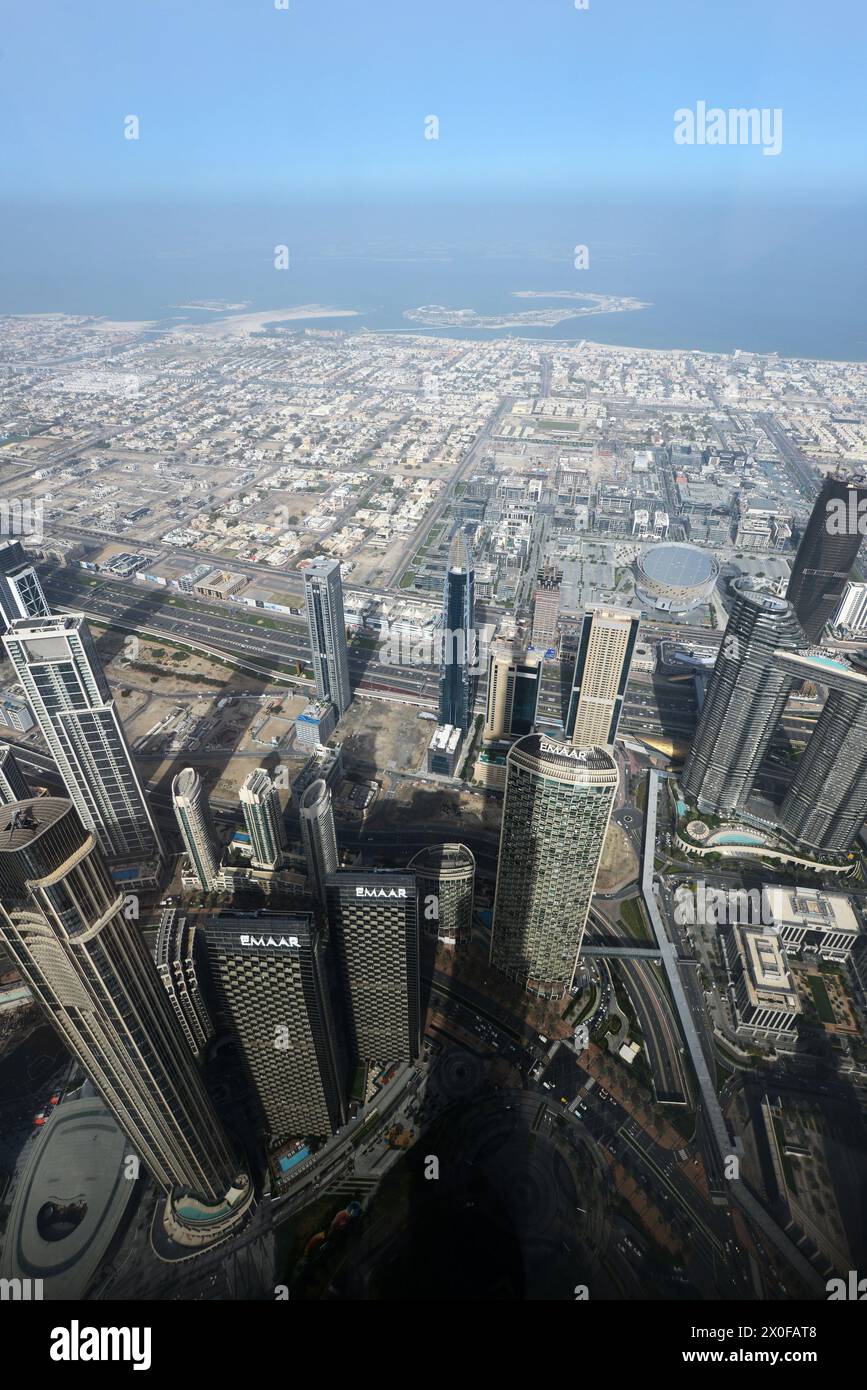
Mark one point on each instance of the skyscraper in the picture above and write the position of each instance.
(744, 701)
(374, 930)
(272, 977)
(21, 593)
(445, 875)
(13, 783)
(605, 647)
(826, 803)
(56, 662)
(175, 956)
(62, 921)
(556, 810)
(513, 691)
(326, 625)
(260, 803)
(196, 824)
(827, 551)
(459, 655)
(318, 837)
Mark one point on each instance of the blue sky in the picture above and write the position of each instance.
(240, 101)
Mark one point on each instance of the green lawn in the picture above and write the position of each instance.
(820, 999)
(633, 921)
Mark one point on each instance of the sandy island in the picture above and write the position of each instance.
(242, 324)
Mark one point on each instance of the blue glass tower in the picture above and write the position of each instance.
(459, 656)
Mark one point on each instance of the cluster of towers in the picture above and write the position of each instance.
(307, 993)
(768, 646)
(310, 993)
(557, 798)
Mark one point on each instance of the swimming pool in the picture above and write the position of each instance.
(735, 837)
(289, 1160)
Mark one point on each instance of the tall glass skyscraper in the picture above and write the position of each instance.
(196, 824)
(446, 876)
(605, 647)
(56, 662)
(374, 931)
(62, 922)
(459, 656)
(828, 550)
(319, 837)
(260, 804)
(272, 975)
(326, 625)
(826, 803)
(745, 699)
(21, 593)
(514, 680)
(13, 783)
(556, 809)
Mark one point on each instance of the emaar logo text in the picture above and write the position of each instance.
(269, 940)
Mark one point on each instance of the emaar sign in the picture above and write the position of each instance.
(269, 941)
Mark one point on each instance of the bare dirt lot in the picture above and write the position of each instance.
(619, 863)
(380, 736)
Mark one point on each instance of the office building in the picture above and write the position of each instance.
(375, 933)
(762, 992)
(63, 924)
(13, 783)
(459, 656)
(827, 551)
(814, 922)
(197, 827)
(744, 701)
(21, 593)
(14, 714)
(556, 809)
(318, 837)
(326, 625)
(220, 584)
(176, 956)
(446, 876)
(444, 750)
(546, 609)
(605, 647)
(272, 977)
(489, 769)
(56, 662)
(260, 804)
(315, 724)
(514, 680)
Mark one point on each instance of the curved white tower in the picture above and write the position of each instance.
(196, 826)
